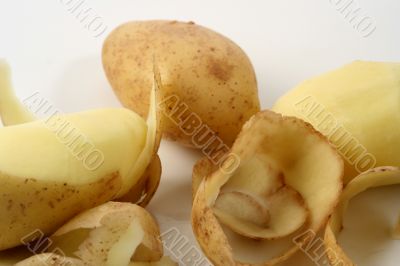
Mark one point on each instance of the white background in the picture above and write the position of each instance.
(288, 41)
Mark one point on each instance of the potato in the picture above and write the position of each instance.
(358, 108)
(207, 79)
(54, 168)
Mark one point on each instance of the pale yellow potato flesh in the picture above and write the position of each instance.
(357, 107)
(380, 176)
(208, 73)
(45, 178)
(276, 153)
(33, 150)
(12, 110)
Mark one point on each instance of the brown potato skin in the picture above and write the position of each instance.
(207, 71)
(46, 205)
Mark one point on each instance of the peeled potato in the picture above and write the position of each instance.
(358, 108)
(45, 178)
(207, 78)
(287, 182)
(381, 176)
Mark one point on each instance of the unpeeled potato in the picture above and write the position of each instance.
(207, 79)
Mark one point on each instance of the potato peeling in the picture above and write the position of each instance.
(380, 176)
(289, 180)
(111, 234)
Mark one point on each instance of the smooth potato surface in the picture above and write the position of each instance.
(357, 107)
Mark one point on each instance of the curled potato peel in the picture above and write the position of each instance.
(111, 234)
(287, 170)
(44, 180)
(380, 176)
(396, 231)
(202, 168)
(143, 191)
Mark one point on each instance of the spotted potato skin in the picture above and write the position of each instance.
(209, 73)
(29, 204)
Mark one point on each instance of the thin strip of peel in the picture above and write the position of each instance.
(151, 144)
(376, 177)
(123, 249)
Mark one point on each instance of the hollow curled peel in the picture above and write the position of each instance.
(291, 156)
(111, 234)
(376, 177)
